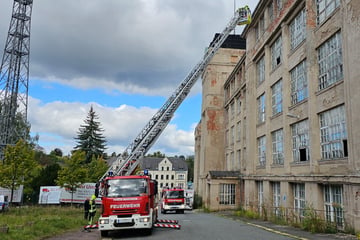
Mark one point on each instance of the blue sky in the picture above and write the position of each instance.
(124, 58)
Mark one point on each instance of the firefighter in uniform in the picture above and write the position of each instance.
(92, 210)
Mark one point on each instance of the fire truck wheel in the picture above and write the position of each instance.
(104, 233)
(147, 231)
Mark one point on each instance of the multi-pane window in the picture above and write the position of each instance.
(260, 188)
(238, 109)
(232, 134)
(232, 109)
(325, 8)
(299, 198)
(333, 133)
(261, 142)
(276, 98)
(276, 50)
(261, 108)
(279, 5)
(227, 135)
(300, 141)
(333, 199)
(232, 161)
(299, 84)
(259, 28)
(238, 131)
(181, 177)
(298, 29)
(238, 153)
(271, 11)
(227, 194)
(260, 68)
(276, 197)
(330, 61)
(278, 146)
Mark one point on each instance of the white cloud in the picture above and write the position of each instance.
(132, 46)
(57, 124)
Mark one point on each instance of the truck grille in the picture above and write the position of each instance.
(124, 224)
(125, 211)
(174, 203)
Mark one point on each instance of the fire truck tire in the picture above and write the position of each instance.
(148, 231)
(104, 233)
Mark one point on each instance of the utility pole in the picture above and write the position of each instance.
(14, 76)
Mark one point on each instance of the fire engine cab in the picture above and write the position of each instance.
(173, 199)
(128, 202)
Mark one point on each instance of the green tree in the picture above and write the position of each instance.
(74, 173)
(46, 177)
(90, 137)
(190, 163)
(18, 166)
(96, 169)
(157, 154)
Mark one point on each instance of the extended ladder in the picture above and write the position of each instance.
(128, 161)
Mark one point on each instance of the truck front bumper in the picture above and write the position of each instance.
(117, 223)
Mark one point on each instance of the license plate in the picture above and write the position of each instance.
(122, 220)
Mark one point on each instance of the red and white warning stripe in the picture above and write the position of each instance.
(167, 221)
(164, 225)
(92, 226)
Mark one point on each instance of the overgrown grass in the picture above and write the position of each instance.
(39, 222)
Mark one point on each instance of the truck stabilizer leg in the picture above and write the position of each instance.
(167, 221)
(91, 226)
(165, 225)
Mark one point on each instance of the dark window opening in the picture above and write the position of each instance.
(345, 147)
(302, 154)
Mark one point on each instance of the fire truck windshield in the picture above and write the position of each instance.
(174, 194)
(126, 187)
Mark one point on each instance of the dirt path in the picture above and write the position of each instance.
(94, 234)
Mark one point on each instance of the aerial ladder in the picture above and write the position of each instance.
(126, 163)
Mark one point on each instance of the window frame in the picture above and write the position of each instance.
(333, 133)
(276, 53)
(297, 29)
(299, 83)
(277, 97)
(300, 140)
(261, 142)
(278, 147)
(330, 61)
(227, 193)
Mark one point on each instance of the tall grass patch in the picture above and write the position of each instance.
(38, 222)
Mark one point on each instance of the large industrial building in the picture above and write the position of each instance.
(279, 130)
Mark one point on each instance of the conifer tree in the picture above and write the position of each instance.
(90, 137)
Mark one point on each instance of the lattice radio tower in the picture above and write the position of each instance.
(14, 75)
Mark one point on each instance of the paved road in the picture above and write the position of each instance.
(217, 226)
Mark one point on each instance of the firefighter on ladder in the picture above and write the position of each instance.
(92, 210)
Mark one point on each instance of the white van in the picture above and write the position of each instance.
(4, 203)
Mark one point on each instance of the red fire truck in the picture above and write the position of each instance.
(173, 199)
(128, 202)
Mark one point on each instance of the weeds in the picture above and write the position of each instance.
(39, 222)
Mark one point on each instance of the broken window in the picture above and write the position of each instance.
(278, 147)
(299, 84)
(325, 8)
(330, 62)
(276, 50)
(300, 141)
(298, 29)
(277, 99)
(333, 133)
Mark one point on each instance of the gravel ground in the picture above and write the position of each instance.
(93, 234)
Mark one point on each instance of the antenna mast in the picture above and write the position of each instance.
(14, 76)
